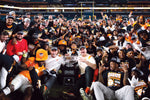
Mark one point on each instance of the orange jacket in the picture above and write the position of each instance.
(29, 63)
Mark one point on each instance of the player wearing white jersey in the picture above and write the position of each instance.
(53, 64)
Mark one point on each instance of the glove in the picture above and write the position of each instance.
(133, 82)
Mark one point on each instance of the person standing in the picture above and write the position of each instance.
(8, 25)
(24, 26)
(39, 31)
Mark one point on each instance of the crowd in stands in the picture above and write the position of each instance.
(113, 55)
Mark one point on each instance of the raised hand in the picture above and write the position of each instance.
(134, 81)
(102, 68)
(125, 67)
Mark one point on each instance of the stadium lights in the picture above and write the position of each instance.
(6, 6)
(71, 8)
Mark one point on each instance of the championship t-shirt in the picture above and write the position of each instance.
(113, 80)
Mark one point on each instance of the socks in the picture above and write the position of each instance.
(87, 90)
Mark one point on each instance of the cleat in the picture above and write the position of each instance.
(44, 91)
(84, 95)
(69, 94)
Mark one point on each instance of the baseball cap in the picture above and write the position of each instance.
(47, 43)
(35, 35)
(16, 58)
(43, 18)
(28, 13)
(115, 59)
(12, 12)
(124, 20)
(73, 42)
(41, 55)
(20, 32)
(54, 48)
(128, 50)
(43, 24)
(133, 37)
(36, 17)
(9, 16)
(27, 20)
(136, 70)
(24, 16)
(102, 38)
(121, 34)
(128, 43)
(99, 49)
(82, 47)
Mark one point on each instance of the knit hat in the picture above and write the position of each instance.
(115, 59)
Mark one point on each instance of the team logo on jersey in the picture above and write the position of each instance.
(110, 82)
(63, 41)
(41, 54)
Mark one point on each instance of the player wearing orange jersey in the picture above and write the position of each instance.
(24, 79)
